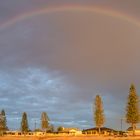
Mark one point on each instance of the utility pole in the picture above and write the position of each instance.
(35, 124)
(121, 124)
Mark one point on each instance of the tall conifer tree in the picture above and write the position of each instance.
(24, 123)
(44, 121)
(132, 109)
(4, 121)
(99, 117)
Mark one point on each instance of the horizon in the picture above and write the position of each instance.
(56, 56)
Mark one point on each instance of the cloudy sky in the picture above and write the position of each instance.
(58, 60)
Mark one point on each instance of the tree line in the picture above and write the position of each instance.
(24, 126)
(132, 115)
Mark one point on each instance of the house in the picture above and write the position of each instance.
(70, 131)
(19, 133)
(95, 131)
(13, 133)
(130, 131)
(40, 133)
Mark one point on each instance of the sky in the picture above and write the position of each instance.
(57, 55)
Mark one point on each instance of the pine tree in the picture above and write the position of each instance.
(4, 121)
(99, 117)
(44, 121)
(1, 124)
(24, 123)
(132, 109)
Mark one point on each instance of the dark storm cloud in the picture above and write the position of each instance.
(58, 62)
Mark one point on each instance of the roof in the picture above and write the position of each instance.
(102, 129)
(130, 129)
(69, 129)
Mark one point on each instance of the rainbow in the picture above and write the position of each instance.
(47, 10)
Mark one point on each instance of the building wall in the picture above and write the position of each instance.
(137, 132)
(96, 133)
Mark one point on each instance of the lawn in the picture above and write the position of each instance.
(67, 138)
